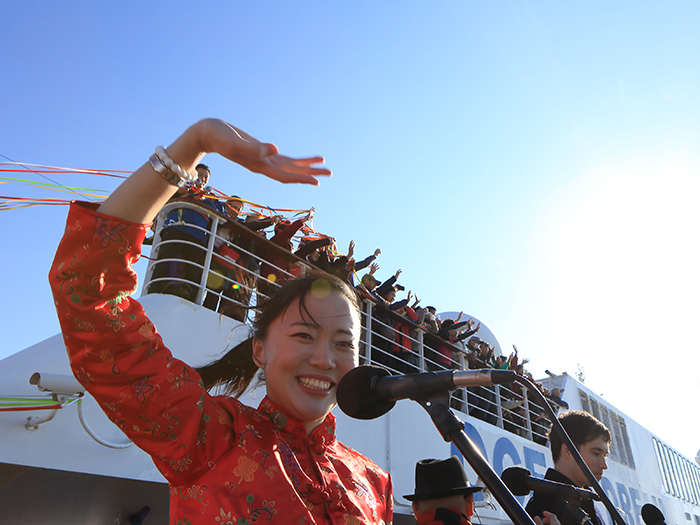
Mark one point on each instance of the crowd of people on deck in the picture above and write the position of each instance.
(240, 266)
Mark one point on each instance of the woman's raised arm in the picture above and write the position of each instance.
(140, 197)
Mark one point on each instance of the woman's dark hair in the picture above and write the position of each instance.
(237, 368)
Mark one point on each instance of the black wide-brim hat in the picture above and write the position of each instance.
(440, 478)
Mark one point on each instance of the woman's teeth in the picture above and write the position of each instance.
(316, 384)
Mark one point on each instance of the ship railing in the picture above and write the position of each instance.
(201, 264)
(225, 266)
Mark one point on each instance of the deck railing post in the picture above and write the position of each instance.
(421, 352)
(526, 405)
(499, 407)
(368, 331)
(153, 260)
(199, 299)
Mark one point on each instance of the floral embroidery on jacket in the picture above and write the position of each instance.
(140, 388)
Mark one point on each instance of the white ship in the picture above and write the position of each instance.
(63, 462)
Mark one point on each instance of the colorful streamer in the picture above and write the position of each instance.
(20, 404)
(8, 202)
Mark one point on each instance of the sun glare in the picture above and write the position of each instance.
(624, 259)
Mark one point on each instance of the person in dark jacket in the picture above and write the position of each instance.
(592, 439)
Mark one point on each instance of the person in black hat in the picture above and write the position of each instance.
(443, 493)
(444, 496)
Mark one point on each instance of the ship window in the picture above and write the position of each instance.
(584, 401)
(678, 492)
(677, 470)
(697, 520)
(681, 481)
(676, 484)
(594, 409)
(686, 484)
(694, 480)
(688, 480)
(688, 468)
(669, 470)
(626, 441)
(695, 470)
(662, 467)
(617, 436)
(606, 421)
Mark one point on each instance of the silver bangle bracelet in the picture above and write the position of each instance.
(172, 166)
(162, 169)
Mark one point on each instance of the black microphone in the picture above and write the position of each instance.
(577, 514)
(652, 515)
(367, 392)
(520, 482)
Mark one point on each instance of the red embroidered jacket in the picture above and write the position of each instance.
(226, 463)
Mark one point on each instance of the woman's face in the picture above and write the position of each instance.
(304, 355)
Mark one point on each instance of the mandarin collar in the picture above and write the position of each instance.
(321, 437)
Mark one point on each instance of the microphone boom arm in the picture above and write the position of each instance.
(436, 403)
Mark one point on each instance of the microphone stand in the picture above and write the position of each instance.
(436, 402)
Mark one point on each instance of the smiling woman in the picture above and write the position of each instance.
(307, 350)
(305, 338)
(225, 462)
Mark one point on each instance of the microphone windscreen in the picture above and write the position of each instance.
(515, 478)
(652, 515)
(356, 396)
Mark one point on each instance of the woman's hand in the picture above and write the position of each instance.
(217, 136)
(140, 197)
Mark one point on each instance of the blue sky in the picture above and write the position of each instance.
(531, 163)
